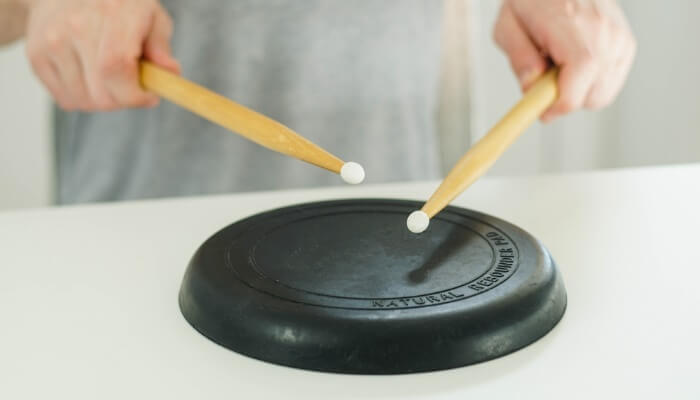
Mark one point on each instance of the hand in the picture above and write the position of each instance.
(86, 52)
(590, 40)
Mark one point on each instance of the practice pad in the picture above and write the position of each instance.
(343, 286)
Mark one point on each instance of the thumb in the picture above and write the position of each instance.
(156, 46)
(525, 58)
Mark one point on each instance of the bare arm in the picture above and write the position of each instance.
(13, 20)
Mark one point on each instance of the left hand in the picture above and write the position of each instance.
(590, 40)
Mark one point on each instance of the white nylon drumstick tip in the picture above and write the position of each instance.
(418, 221)
(352, 173)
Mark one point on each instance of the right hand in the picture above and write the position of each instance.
(87, 52)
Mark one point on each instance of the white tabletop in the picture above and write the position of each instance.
(88, 297)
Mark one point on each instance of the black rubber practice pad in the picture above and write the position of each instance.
(343, 286)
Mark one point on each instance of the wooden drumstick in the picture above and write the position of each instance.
(243, 121)
(486, 151)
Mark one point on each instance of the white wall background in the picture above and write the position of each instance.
(655, 121)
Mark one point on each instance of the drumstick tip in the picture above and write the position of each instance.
(417, 221)
(352, 173)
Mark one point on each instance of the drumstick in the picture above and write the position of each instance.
(486, 151)
(244, 121)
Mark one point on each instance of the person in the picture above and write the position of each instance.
(358, 78)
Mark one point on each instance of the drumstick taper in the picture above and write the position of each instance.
(243, 121)
(486, 151)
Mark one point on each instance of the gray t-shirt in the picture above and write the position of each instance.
(359, 78)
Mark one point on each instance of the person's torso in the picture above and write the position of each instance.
(359, 78)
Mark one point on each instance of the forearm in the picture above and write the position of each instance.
(13, 20)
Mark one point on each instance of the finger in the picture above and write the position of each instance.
(40, 50)
(578, 70)
(157, 45)
(610, 84)
(71, 76)
(118, 55)
(611, 48)
(525, 57)
(42, 68)
(48, 75)
(87, 46)
(575, 81)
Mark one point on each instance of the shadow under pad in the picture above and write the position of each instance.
(343, 286)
